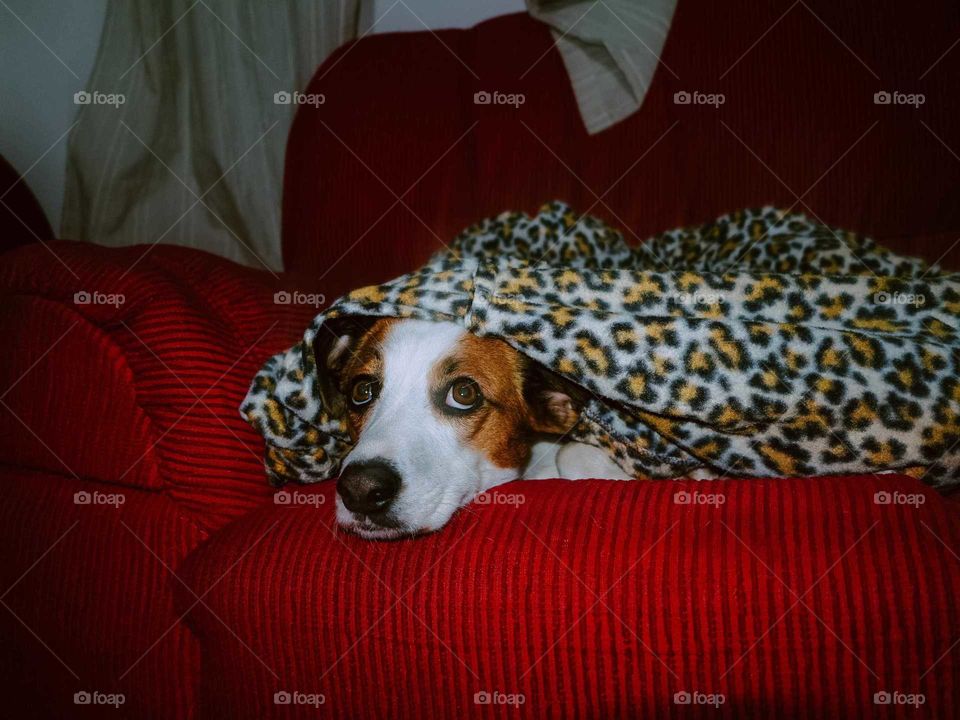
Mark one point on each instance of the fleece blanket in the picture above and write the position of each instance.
(759, 344)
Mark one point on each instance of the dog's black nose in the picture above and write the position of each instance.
(368, 487)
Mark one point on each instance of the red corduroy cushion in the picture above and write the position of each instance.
(596, 599)
(87, 595)
(399, 158)
(143, 393)
(133, 396)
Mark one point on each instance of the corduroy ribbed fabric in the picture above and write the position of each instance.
(88, 603)
(798, 115)
(592, 599)
(141, 392)
(134, 398)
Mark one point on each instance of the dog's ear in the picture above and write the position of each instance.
(555, 403)
(332, 348)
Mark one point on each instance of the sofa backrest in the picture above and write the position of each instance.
(400, 157)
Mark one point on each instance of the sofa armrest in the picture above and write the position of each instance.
(129, 369)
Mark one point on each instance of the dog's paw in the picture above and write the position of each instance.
(576, 461)
(543, 461)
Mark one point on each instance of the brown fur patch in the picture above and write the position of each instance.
(500, 427)
(365, 358)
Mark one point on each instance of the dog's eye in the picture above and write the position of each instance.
(364, 391)
(464, 394)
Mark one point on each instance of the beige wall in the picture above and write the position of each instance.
(36, 88)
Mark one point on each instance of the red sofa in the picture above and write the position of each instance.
(174, 578)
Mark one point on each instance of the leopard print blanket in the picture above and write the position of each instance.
(760, 344)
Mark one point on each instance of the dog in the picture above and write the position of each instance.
(438, 415)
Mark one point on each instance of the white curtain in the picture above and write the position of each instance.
(611, 50)
(183, 127)
(181, 133)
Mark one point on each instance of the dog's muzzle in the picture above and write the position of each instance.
(369, 488)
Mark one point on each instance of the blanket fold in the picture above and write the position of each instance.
(760, 344)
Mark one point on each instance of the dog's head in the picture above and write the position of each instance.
(436, 416)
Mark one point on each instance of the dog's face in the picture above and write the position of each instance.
(436, 414)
